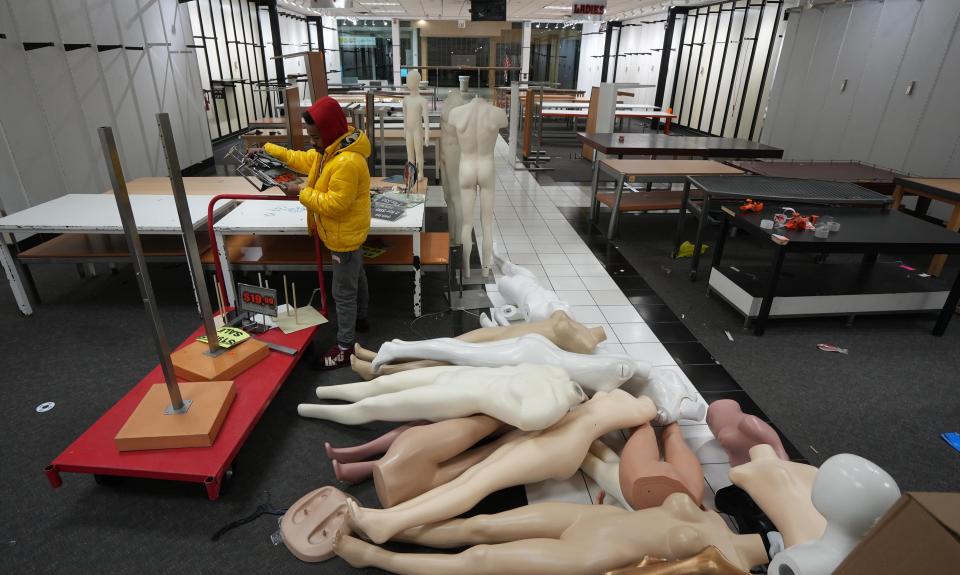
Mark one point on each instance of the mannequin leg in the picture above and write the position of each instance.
(687, 466)
(487, 187)
(551, 556)
(365, 369)
(383, 384)
(606, 475)
(353, 472)
(378, 446)
(411, 147)
(419, 151)
(440, 402)
(468, 197)
(363, 353)
(644, 479)
(451, 193)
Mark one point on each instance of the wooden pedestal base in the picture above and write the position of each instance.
(149, 428)
(192, 363)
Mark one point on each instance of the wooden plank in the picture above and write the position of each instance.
(670, 167)
(527, 124)
(108, 247)
(316, 75)
(586, 151)
(294, 119)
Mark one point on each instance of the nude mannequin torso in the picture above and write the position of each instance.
(450, 158)
(477, 124)
(416, 121)
(554, 453)
(594, 372)
(737, 432)
(520, 287)
(782, 489)
(529, 397)
(561, 539)
(563, 331)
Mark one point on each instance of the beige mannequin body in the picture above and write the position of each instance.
(555, 453)
(638, 478)
(563, 331)
(782, 489)
(478, 124)
(450, 159)
(561, 539)
(528, 397)
(416, 122)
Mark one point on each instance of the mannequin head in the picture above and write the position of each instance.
(454, 98)
(413, 81)
(852, 492)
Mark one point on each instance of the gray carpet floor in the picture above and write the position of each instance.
(888, 400)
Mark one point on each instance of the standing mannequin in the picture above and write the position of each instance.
(450, 161)
(561, 539)
(416, 122)
(852, 493)
(554, 453)
(782, 490)
(528, 397)
(478, 124)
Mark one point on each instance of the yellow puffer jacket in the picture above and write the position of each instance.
(337, 192)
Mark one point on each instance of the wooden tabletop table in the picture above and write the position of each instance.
(945, 190)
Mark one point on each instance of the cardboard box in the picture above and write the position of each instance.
(919, 534)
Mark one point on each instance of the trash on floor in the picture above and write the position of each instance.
(730, 337)
(952, 438)
(45, 406)
(908, 268)
(686, 250)
(832, 348)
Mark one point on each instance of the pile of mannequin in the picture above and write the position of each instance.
(532, 396)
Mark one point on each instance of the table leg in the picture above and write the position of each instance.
(594, 183)
(897, 197)
(767, 303)
(615, 216)
(417, 299)
(16, 282)
(221, 247)
(383, 152)
(948, 308)
(938, 261)
(721, 241)
(701, 224)
(683, 212)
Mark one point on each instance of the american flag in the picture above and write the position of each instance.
(506, 63)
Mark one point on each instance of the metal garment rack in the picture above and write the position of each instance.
(534, 160)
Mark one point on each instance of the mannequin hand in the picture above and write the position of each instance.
(252, 151)
(291, 189)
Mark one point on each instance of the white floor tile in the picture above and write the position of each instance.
(609, 297)
(621, 314)
(572, 283)
(585, 313)
(582, 258)
(576, 297)
(635, 333)
(609, 348)
(523, 259)
(590, 269)
(599, 283)
(559, 270)
(652, 352)
(575, 249)
(553, 259)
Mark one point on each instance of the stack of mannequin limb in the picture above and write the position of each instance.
(638, 478)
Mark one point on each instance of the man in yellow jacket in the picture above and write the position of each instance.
(337, 198)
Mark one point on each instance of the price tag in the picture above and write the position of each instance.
(256, 299)
(228, 337)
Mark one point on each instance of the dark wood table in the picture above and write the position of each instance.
(871, 177)
(942, 189)
(867, 232)
(793, 190)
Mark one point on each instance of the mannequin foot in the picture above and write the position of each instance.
(354, 551)
(388, 353)
(360, 520)
(355, 472)
(362, 368)
(363, 353)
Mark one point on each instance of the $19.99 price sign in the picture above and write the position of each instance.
(256, 299)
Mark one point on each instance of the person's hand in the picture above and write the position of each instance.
(291, 189)
(252, 151)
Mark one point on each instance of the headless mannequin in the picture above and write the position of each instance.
(593, 372)
(477, 124)
(416, 122)
(520, 287)
(561, 539)
(852, 493)
(710, 561)
(450, 159)
(737, 431)
(365, 451)
(782, 490)
(554, 453)
(529, 397)
(559, 328)
(637, 478)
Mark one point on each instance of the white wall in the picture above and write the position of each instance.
(591, 44)
(54, 100)
(878, 49)
(331, 42)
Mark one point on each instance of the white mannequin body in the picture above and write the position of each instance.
(674, 398)
(520, 287)
(602, 464)
(416, 122)
(593, 372)
(450, 160)
(852, 493)
(529, 397)
(477, 124)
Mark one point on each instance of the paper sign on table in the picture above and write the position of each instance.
(228, 337)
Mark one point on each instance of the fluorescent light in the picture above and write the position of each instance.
(391, 11)
(380, 3)
(558, 7)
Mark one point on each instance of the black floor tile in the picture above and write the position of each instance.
(620, 269)
(791, 449)
(654, 313)
(710, 378)
(689, 354)
(639, 297)
(633, 282)
(747, 405)
(670, 332)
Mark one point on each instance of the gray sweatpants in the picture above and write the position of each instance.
(350, 294)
